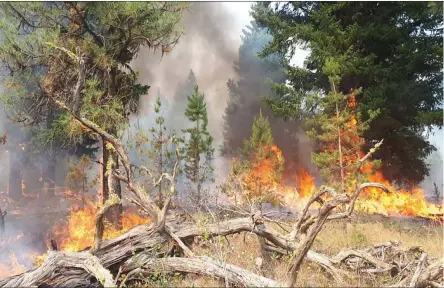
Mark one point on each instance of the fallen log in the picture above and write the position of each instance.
(143, 264)
(68, 269)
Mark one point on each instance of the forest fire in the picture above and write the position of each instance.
(78, 232)
(74, 233)
(12, 267)
(373, 200)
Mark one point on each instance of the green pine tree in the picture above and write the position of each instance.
(199, 151)
(160, 154)
(79, 54)
(338, 130)
(175, 118)
(392, 50)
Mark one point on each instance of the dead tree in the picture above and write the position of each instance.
(2, 222)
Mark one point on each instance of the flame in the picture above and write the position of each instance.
(78, 233)
(305, 183)
(399, 202)
(13, 268)
(263, 175)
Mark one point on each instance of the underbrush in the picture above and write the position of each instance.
(244, 250)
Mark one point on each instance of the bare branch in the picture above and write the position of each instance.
(355, 196)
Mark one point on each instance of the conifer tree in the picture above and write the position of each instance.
(79, 54)
(180, 99)
(160, 153)
(392, 50)
(260, 165)
(198, 143)
(338, 131)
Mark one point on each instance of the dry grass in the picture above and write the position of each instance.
(243, 249)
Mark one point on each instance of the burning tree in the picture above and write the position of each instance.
(146, 250)
(338, 131)
(260, 166)
(199, 143)
(104, 263)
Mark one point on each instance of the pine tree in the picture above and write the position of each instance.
(246, 95)
(160, 153)
(176, 120)
(392, 50)
(59, 48)
(198, 143)
(338, 130)
(260, 165)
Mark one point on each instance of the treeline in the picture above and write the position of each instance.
(385, 56)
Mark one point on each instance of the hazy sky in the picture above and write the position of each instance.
(241, 17)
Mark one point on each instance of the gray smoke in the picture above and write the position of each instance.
(209, 47)
(435, 162)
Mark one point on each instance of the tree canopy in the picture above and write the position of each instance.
(392, 50)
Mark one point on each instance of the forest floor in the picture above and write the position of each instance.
(243, 250)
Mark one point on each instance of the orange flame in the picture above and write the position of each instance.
(78, 233)
(305, 183)
(374, 200)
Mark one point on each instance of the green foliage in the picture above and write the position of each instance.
(199, 142)
(392, 50)
(44, 40)
(180, 100)
(261, 135)
(162, 152)
(247, 95)
(338, 130)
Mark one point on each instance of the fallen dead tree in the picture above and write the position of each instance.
(141, 252)
(149, 249)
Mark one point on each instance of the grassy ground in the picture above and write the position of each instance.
(243, 249)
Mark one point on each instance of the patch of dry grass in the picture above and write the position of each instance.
(243, 249)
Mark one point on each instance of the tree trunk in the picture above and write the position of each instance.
(15, 175)
(49, 163)
(114, 214)
(197, 167)
(2, 222)
(161, 164)
(49, 172)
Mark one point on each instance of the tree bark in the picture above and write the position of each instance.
(143, 249)
(49, 173)
(114, 214)
(2, 222)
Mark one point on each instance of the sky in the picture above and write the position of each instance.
(241, 16)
